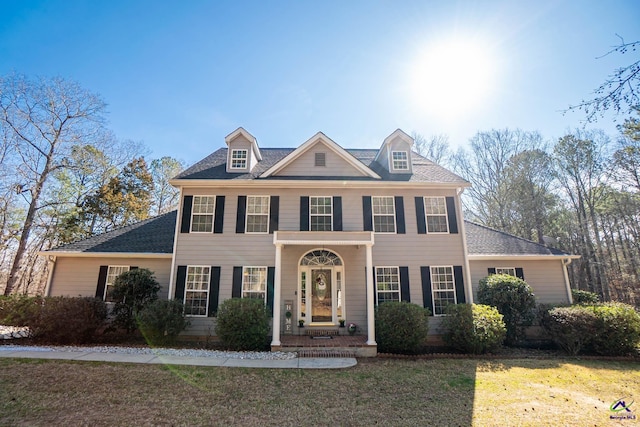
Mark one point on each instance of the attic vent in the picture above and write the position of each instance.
(321, 159)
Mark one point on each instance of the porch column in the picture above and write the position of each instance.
(371, 320)
(277, 290)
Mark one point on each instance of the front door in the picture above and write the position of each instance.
(320, 288)
(321, 295)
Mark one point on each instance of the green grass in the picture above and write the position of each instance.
(375, 392)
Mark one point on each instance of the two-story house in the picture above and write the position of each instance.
(319, 232)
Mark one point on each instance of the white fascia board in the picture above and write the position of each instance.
(105, 254)
(502, 257)
(332, 145)
(296, 183)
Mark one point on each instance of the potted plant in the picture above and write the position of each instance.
(341, 321)
(301, 323)
(352, 328)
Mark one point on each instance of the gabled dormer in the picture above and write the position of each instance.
(320, 156)
(243, 152)
(395, 153)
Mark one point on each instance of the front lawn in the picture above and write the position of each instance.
(379, 391)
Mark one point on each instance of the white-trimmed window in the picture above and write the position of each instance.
(511, 271)
(443, 288)
(239, 159)
(196, 290)
(254, 282)
(321, 213)
(112, 273)
(257, 214)
(384, 214)
(400, 160)
(435, 210)
(202, 214)
(387, 284)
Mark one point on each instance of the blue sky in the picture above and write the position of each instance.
(180, 75)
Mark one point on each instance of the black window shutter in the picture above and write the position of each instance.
(459, 283)
(337, 213)
(271, 274)
(400, 228)
(520, 273)
(367, 213)
(236, 285)
(241, 213)
(491, 270)
(427, 298)
(451, 214)
(404, 284)
(181, 281)
(214, 291)
(219, 215)
(374, 284)
(102, 281)
(274, 213)
(186, 214)
(304, 213)
(420, 218)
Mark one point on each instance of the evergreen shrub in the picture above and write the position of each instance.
(161, 321)
(513, 298)
(65, 320)
(584, 297)
(617, 329)
(243, 324)
(571, 328)
(473, 328)
(401, 327)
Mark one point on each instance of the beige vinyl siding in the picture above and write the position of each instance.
(305, 164)
(231, 249)
(546, 278)
(78, 276)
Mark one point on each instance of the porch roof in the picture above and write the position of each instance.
(334, 238)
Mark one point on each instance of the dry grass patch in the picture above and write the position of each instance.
(383, 392)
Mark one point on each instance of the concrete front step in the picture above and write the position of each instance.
(316, 352)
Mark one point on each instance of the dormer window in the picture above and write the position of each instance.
(238, 159)
(400, 160)
(321, 159)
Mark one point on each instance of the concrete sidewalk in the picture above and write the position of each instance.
(94, 356)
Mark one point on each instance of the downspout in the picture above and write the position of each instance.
(467, 269)
(565, 263)
(175, 244)
(52, 266)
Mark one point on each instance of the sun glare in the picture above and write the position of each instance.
(450, 78)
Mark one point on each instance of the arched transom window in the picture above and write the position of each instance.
(321, 257)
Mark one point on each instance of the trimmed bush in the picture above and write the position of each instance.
(64, 320)
(132, 291)
(401, 327)
(243, 324)
(19, 310)
(618, 329)
(473, 328)
(584, 297)
(514, 300)
(161, 321)
(571, 328)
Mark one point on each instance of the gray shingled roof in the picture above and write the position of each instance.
(155, 235)
(483, 240)
(424, 170)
